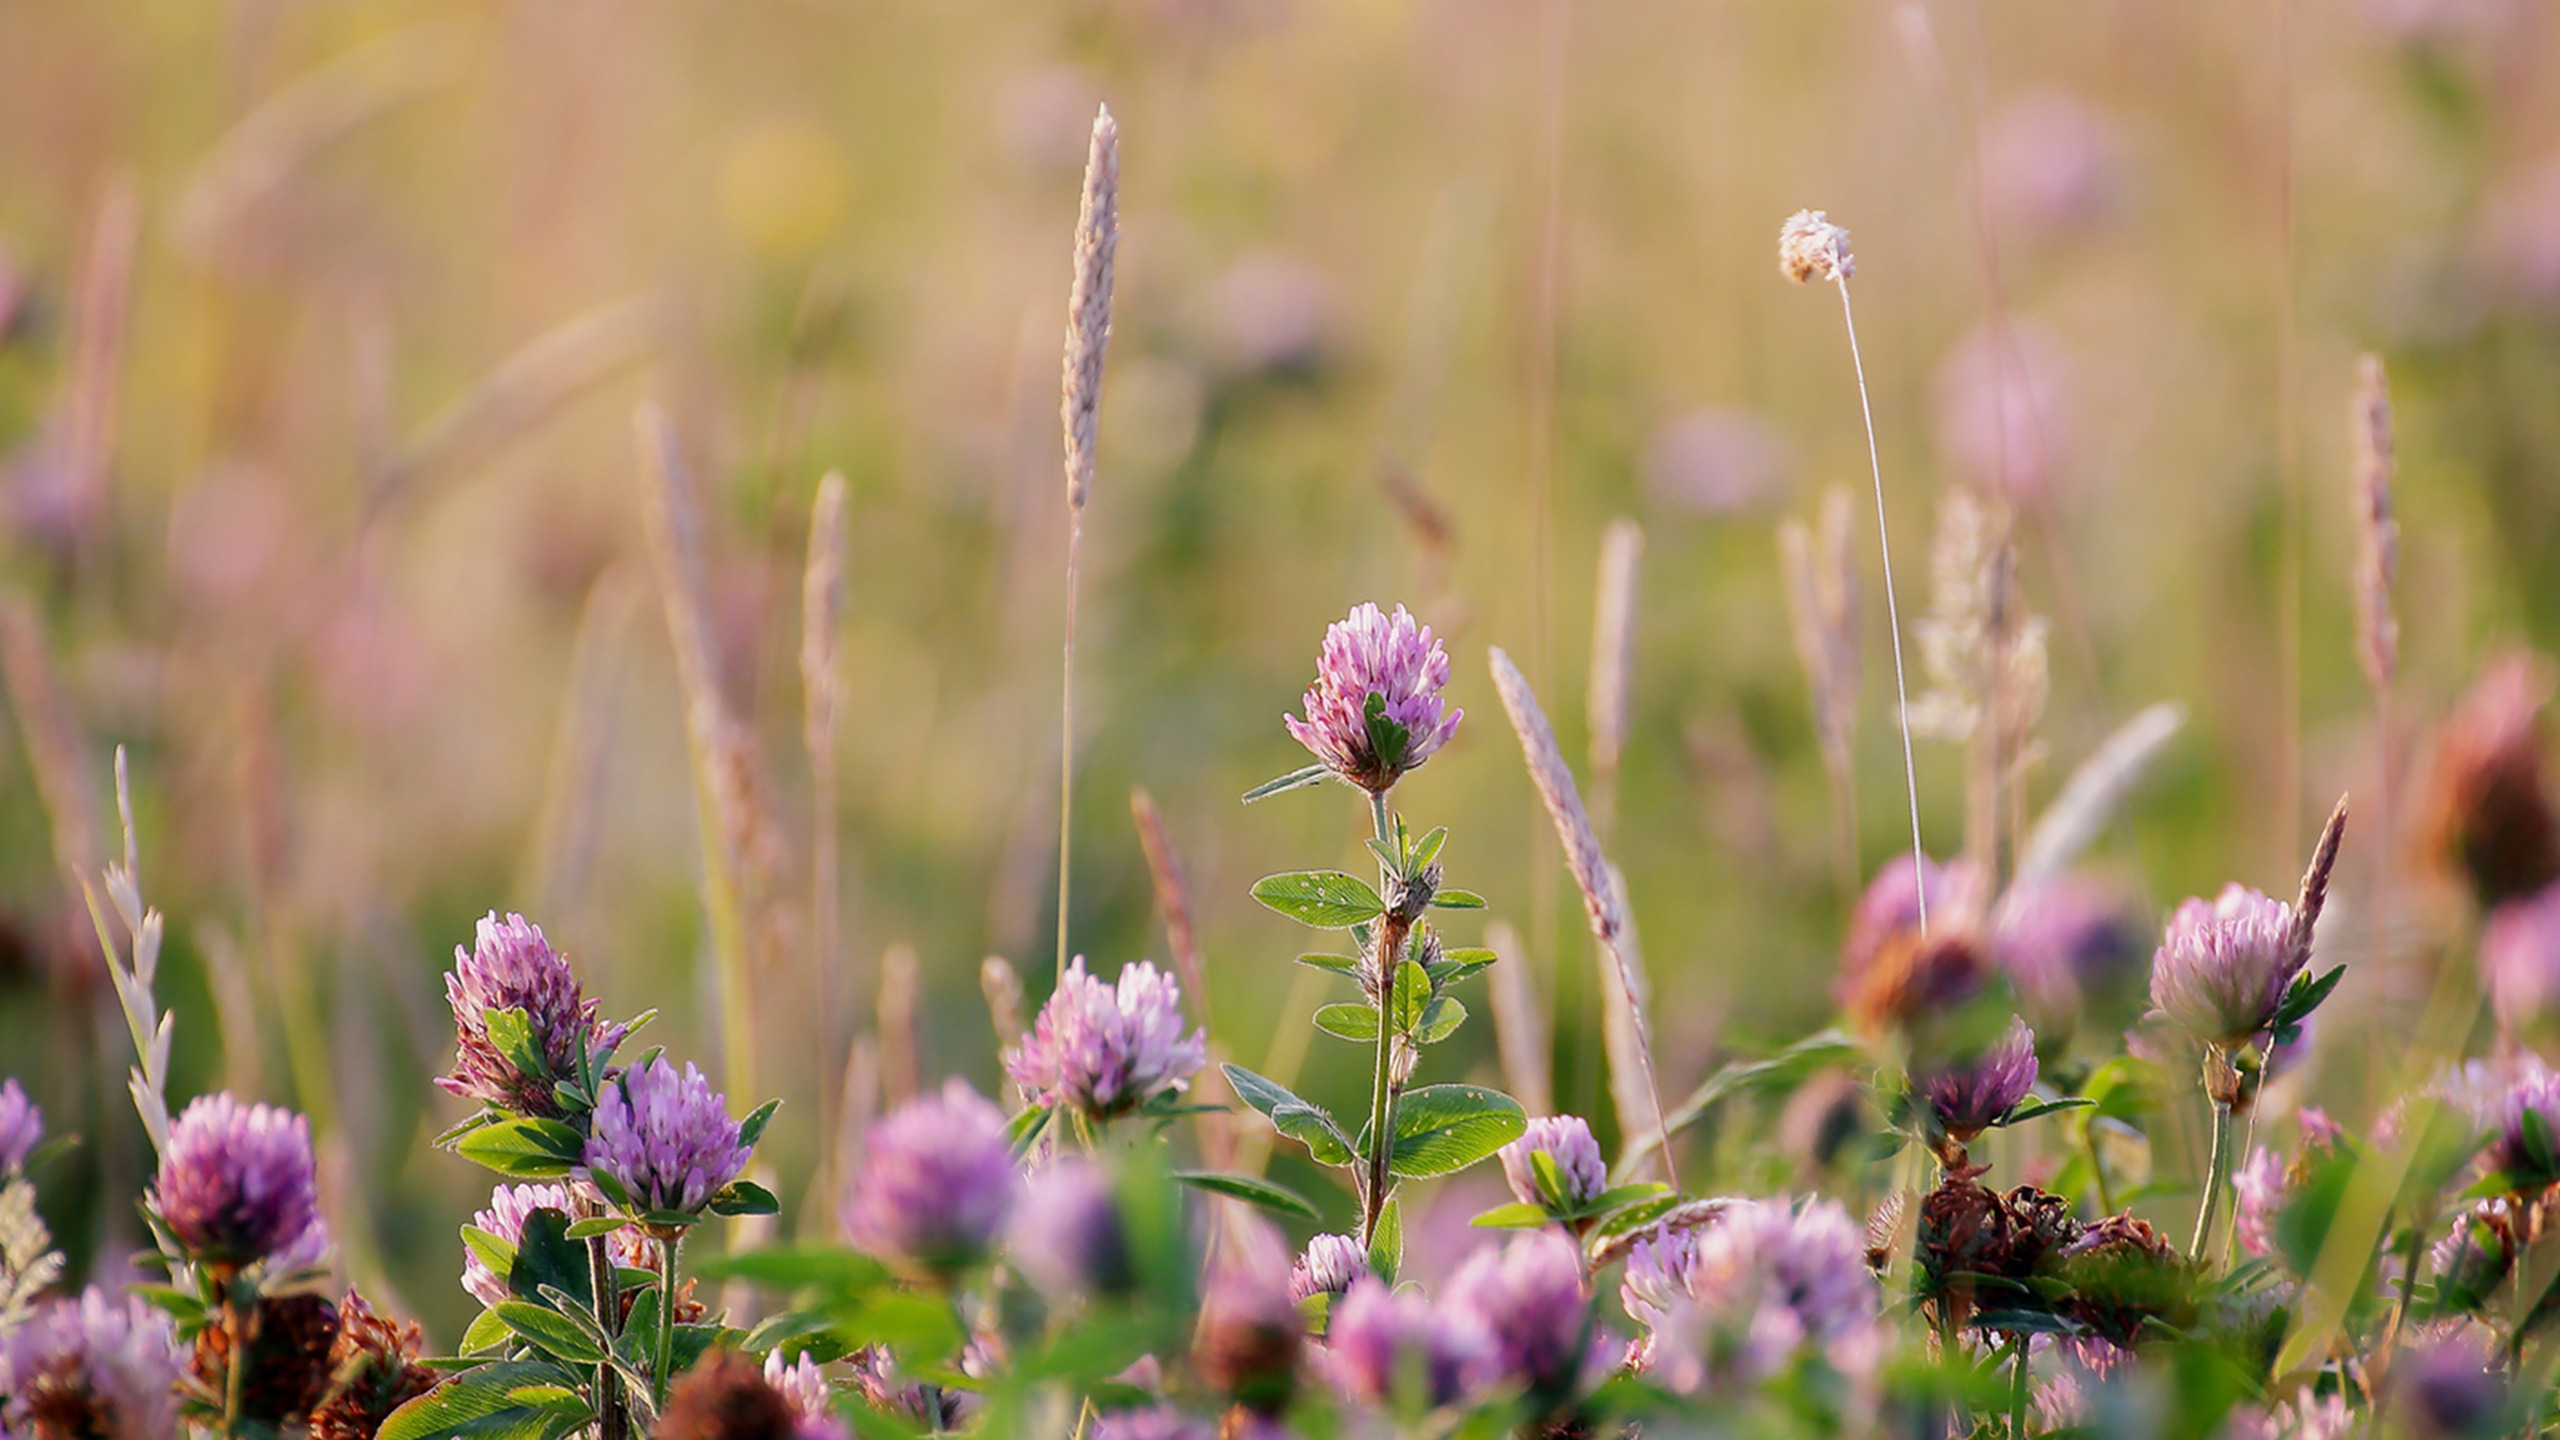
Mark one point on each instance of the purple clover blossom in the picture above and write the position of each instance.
(1657, 1276)
(2471, 1259)
(938, 1184)
(2222, 969)
(1251, 1335)
(1764, 1284)
(1968, 1099)
(2520, 960)
(21, 1127)
(2061, 942)
(1330, 1265)
(1103, 1050)
(511, 967)
(1530, 1295)
(1066, 1234)
(1395, 660)
(509, 1207)
(665, 1138)
(235, 1183)
(884, 1387)
(90, 1367)
(2452, 1387)
(1565, 1140)
(801, 1382)
(2526, 1146)
(1377, 1337)
(1956, 892)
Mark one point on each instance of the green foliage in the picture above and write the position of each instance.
(1325, 899)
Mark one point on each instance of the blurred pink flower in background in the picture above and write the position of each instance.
(2004, 411)
(1715, 462)
(2052, 163)
(1269, 311)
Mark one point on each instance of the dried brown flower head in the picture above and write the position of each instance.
(726, 1397)
(1810, 247)
(1969, 1233)
(2123, 1272)
(288, 1373)
(373, 1370)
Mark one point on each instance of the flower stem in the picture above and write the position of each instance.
(2217, 1177)
(1892, 613)
(236, 1383)
(613, 1420)
(1391, 932)
(666, 1315)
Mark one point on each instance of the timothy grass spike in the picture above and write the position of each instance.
(1603, 902)
(1079, 413)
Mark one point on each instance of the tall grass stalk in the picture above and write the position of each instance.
(2377, 569)
(715, 743)
(1603, 898)
(821, 623)
(1892, 611)
(1079, 412)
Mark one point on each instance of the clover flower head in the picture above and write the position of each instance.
(374, 1369)
(1387, 664)
(2520, 960)
(2222, 968)
(511, 967)
(801, 1382)
(1251, 1336)
(1066, 1234)
(236, 1184)
(1969, 1098)
(938, 1182)
(1763, 1284)
(665, 1138)
(92, 1367)
(2062, 942)
(1375, 1336)
(1565, 1140)
(1328, 1267)
(509, 1207)
(2526, 1145)
(1531, 1297)
(1103, 1050)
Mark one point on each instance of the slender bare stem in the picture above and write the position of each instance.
(1892, 613)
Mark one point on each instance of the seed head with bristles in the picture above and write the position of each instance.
(1810, 248)
(2377, 533)
(1089, 303)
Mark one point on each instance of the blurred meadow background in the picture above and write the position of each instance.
(322, 328)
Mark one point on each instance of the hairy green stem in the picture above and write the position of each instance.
(2217, 1176)
(613, 1418)
(1373, 1196)
(236, 1383)
(666, 1315)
